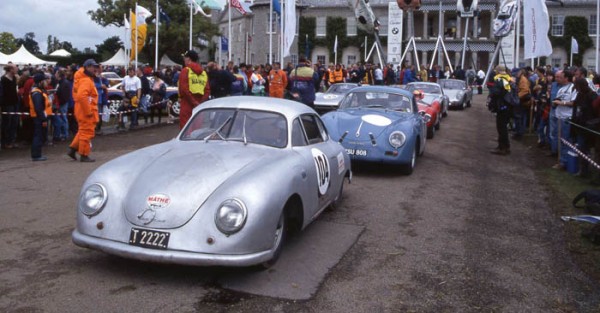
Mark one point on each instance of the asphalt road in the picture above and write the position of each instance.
(466, 232)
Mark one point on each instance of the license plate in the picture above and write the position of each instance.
(149, 238)
(358, 152)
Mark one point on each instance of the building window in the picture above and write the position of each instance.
(294, 58)
(321, 26)
(558, 22)
(556, 62)
(321, 59)
(592, 23)
(275, 23)
(351, 26)
(383, 27)
(591, 64)
(351, 59)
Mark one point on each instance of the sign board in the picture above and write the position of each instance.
(394, 47)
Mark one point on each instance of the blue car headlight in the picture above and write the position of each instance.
(92, 199)
(397, 139)
(231, 216)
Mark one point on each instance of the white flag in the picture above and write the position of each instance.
(142, 14)
(290, 26)
(126, 22)
(335, 44)
(535, 29)
(574, 46)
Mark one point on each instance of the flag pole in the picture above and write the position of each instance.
(282, 4)
(229, 42)
(191, 6)
(271, 31)
(597, 32)
(518, 30)
(136, 36)
(335, 51)
(571, 61)
(157, 18)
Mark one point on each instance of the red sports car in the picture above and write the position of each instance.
(431, 105)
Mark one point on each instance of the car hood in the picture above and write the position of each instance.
(360, 122)
(328, 99)
(168, 189)
(452, 93)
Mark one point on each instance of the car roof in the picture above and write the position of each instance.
(382, 89)
(453, 80)
(288, 108)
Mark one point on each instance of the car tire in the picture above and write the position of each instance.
(431, 132)
(113, 105)
(174, 107)
(469, 104)
(463, 104)
(281, 232)
(438, 124)
(408, 169)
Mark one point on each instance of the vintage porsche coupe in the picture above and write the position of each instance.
(430, 104)
(330, 100)
(459, 93)
(242, 173)
(380, 124)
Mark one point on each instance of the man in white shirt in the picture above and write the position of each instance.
(132, 90)
(378, 75)
(564, 109)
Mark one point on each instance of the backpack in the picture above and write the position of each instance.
(592, 201)
(512, 97)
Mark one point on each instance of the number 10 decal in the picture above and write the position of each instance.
(323, 170)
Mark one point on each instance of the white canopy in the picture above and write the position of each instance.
(24, 57)
(166, 61)
(3, 58)
(61, 53)
(120, 59)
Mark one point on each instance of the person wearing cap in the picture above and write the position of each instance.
(85, 96)
(302, 82)
(40, 109)
(193, 86)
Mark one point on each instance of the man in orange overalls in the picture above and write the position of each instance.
(277, 81)
(85, 96)
(193, 86)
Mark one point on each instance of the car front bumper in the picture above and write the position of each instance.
(168, 256)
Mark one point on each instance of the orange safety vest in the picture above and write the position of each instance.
(336, 76)
(47, 104)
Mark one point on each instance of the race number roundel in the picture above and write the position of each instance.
(323, 170)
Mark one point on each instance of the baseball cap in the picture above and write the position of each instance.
(193, 55)
(89, 62)
(38, 77)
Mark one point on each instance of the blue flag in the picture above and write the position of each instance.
(277, 7)
(224, 44)
(164, 18)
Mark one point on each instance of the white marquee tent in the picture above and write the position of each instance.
(120, 59)
(23, 57)
(61, 53)
(166, 61)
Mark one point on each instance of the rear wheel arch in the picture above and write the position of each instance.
(295, 213)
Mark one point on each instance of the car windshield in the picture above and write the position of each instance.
(248, 126)
(453, 84)
(378, 100)
(426, 88)
(340, 88)
(110, 75)
(428, 99)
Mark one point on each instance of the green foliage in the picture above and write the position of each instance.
(30, 44)
(173, 40)
(55, 44)
(8, 43)
(307, 27)
(109, 47)
(577, 27)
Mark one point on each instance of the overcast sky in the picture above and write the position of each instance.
(66, 20)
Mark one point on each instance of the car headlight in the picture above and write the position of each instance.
(92, 199)
(397, 139)
(426, 117)
(460, 95)
(231, 216)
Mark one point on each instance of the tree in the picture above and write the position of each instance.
(8, 43)
(109, 47)
(173, 40)
(30, 44)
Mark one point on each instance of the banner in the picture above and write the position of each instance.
(394, 46)
(277, 7)
(224, 43)
(535, 29)
(335, 44)
(138, 34)
(242, 7)
(290, 26)
(574, 46)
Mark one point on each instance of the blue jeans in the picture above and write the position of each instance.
(565, 133)
(61, 123)
(10, 123)
(40, 133)
(553, 132)
(543, 131)
(520, 116)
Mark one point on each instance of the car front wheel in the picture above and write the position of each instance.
(407, 169)
(174, 107)
(279, 240)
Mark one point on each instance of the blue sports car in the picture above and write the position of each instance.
(379, 124)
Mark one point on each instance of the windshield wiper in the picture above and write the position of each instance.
(218, 131)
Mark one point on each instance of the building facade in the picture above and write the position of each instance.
(252, 36)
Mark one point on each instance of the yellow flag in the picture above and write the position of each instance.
(138, 35)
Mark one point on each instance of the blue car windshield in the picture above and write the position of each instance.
(426, 88)
(248, 126)
(377, 100)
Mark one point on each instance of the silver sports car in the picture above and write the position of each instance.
(330, 100)
(242, 173)
(431, 89)
(459, 93)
